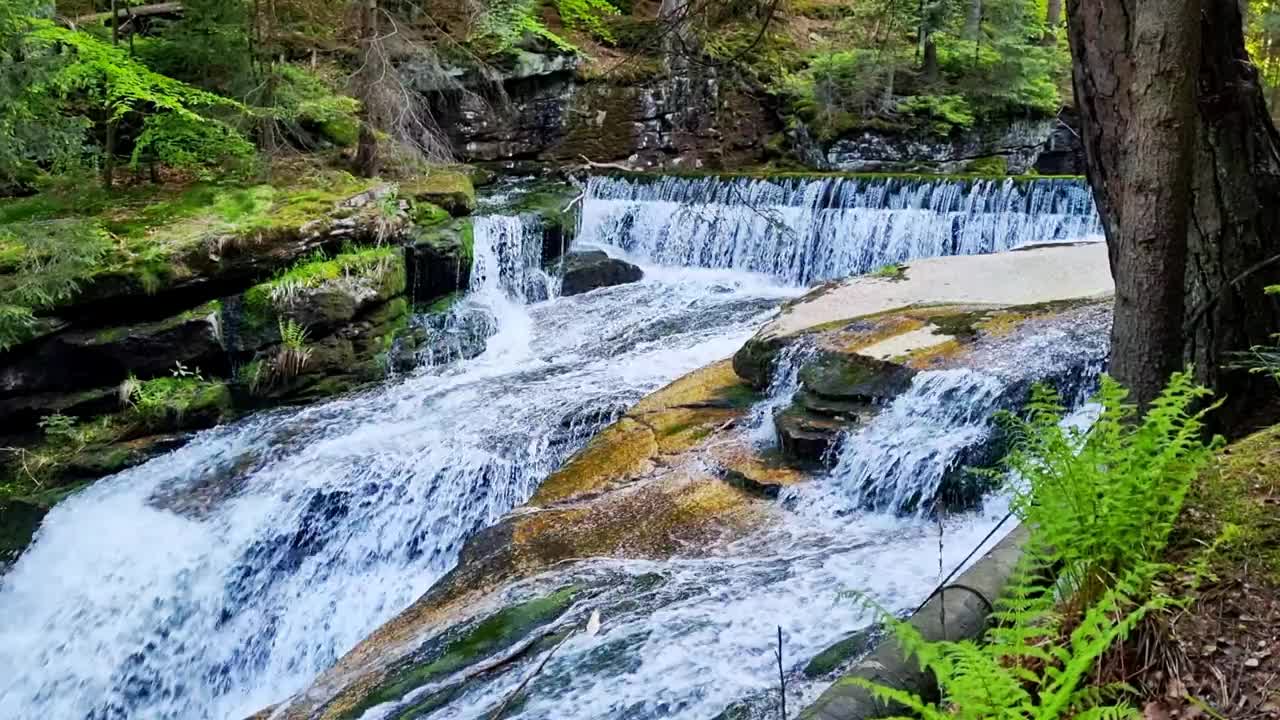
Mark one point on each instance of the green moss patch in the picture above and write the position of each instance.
(447, 188)
(54, 248)
(493, 634)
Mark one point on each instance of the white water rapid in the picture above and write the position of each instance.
(805, 230)
(223, 577)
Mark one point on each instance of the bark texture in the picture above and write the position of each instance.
(1134, 74)
(1192, 221)
(1233, 243)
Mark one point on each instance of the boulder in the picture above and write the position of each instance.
(804, 437)
(589, 270)
(853, 377)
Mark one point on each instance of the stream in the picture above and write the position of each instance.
(226, 575)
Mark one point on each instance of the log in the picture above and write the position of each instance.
(164, 8)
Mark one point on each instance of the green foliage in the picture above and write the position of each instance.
(588, 16)
(34, 131)
(49, 259)
(292, 355)
(506, 22)
(1106, 499)
(164, 402)
(941, 113)
(869, 67)
(1100, 505)
(116, 87)
(1028, 667)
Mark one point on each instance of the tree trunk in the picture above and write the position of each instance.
(973, 22)
(1190, 234)
(1134, 74)
(1052, 21)
(367, 163)
(930, 67)
(1232, 253)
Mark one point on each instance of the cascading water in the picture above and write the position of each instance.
(805, 230)
(223, 577)
(914, 455)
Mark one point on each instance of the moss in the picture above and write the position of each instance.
(152, 237)
(173, 403)
(994, 165)
(495, 633)
(857, 644)
(893, 271)
(1231, 508)
(428, 214)
(342, 130)
(444, 304)
(467, 234)
(450, 189)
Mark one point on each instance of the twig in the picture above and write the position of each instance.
(782, 678)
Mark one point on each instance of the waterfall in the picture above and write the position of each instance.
(807, 230)
(916, 454)
(506, 275)
(223, 577)
(220, 578)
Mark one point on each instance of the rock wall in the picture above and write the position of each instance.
(548, 109)
(994, 149)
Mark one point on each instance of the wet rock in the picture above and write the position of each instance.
(852, 647)
(451, 190)
(19, 521)
(589, 270)
(854, 377)
(438, 261)
(23, 413)
(805, 437)
(754, 361)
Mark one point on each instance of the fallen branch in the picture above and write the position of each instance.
(163, 8)
(611, 166)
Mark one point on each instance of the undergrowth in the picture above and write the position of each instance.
(1100, 505)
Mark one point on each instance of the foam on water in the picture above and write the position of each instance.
(805, 230)
(224, 576)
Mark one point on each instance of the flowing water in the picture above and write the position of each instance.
(224, 576)
(805, 230)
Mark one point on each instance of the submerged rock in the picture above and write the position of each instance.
(587, 270)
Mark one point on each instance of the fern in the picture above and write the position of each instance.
(588, 16)
(1100, 504)
(1106, 499)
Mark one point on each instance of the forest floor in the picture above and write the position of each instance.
(1219, 656)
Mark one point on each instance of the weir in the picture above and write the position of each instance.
(224, 577)
(803, 230)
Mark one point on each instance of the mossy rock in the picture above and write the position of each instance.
(990, 165)
(851, 376)
(852, 647)
(493, 634)
(19, 521)
(754, 361)
(438, 261)
(170, 404)
(446, 188)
